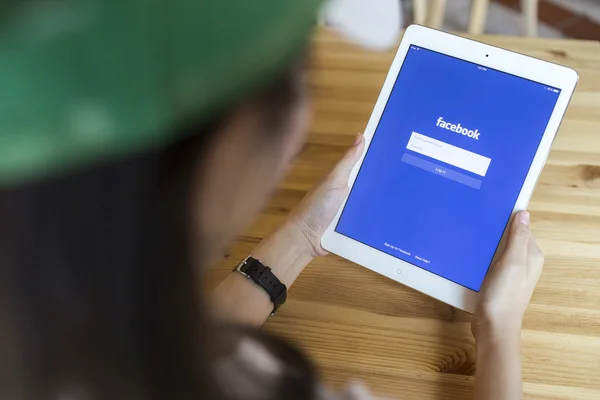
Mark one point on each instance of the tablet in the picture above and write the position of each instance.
(456, 141)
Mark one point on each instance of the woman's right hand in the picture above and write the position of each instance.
(509, 285)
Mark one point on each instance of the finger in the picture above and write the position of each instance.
(519, 235)
(536, 259)
(345, 165)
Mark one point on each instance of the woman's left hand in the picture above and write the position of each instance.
(289, 249)
(318, 208)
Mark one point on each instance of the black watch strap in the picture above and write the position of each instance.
(262, 275)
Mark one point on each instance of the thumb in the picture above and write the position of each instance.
(345, 165)
(518, 237)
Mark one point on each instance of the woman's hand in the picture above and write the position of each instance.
(318, 208)
(497, 322)
(289, 249)
(509, 285)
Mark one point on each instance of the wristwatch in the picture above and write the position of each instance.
(264, 277)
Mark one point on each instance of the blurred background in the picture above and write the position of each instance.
(555, 18)
(578, 19)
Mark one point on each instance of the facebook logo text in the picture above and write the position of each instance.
(474, 134)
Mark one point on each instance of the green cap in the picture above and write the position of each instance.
(83, 81)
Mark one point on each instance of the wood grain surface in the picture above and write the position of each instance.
(358, 325)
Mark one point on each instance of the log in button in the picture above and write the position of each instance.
(441, 170)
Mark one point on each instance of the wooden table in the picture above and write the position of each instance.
(358, 325)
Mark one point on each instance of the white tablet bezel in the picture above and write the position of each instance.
(485, 55)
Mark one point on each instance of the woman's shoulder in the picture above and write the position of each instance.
(355, 391)
(253, 368)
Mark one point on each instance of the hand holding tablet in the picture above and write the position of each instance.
(456, 141)
(509, 285)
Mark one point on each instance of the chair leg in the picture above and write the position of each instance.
(420, 12)
(530, 16)
(437, 11)
(478, 16)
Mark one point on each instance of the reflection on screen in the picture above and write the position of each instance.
(446, 164)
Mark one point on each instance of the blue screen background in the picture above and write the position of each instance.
(455, 227)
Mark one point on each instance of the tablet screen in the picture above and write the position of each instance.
(446, 164)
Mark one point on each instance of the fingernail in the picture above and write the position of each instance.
(357, 139)
(524, 218)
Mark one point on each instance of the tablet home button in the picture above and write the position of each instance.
(398, 271)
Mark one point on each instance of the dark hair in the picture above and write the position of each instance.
(98, 295)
